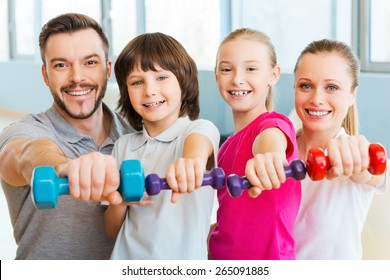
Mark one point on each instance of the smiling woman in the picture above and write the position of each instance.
(332, 212)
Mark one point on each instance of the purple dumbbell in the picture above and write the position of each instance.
(154, 184)
(236, 184)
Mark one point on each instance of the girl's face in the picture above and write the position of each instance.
(323, 92)
(156, 97)
(244, 75)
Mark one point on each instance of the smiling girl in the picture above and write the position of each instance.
(259, 223)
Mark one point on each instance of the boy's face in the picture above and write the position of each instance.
(156, 97)
(76, 71)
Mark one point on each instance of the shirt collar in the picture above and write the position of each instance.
(167, 136)
(63, 126)
(73, 136)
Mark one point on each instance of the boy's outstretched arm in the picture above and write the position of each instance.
(186, 173)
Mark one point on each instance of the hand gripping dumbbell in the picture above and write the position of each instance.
(236, 184)
(154, 184)
(47, 186)
(317, 164)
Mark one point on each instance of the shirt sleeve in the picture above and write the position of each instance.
(209, 130)
(281, 122)
(26, 128)
(383, 186)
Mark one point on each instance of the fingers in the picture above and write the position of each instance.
(145, 201)
(184, 176)
(255, 191)
(348, 155)
(175, 197)
(265, 172)
(92, 177)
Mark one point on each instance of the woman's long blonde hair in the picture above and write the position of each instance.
(351, 120)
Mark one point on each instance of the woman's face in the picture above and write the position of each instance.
(323, 92)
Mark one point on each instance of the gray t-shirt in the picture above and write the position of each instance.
(74, 229)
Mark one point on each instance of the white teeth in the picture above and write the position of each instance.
(239, 93)
(154, 104)
(79, 93)
(318, 113)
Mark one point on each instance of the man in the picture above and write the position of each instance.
(76, 136)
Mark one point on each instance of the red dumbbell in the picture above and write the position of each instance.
(317, 164)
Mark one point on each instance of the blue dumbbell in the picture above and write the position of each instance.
(47, 186)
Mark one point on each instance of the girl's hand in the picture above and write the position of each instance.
(184, 176)
(265, 171)
(348, 156)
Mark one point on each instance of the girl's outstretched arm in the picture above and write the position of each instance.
(266, 169)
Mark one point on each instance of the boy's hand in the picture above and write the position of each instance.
(184, 176)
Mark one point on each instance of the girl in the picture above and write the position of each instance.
(159, 96)
(253, 226)
(332, 213)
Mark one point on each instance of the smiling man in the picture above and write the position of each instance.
(74, 136)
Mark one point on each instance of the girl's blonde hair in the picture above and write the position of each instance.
(351, 120)
(261, 37)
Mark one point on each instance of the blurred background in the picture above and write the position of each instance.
(200, 25)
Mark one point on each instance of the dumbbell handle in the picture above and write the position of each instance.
(318, 164)
(237, 184)
(153, 183)
(64, 185)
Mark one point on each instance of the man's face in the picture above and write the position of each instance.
(76, 71)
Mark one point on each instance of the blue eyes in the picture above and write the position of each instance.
(305, 86)
(64, 65)
(140, 82)
(332, 88)
(329, 88)
(162, 78)
(249, 69)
